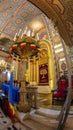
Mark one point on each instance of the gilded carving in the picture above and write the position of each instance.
(43, 72)
(59, 5)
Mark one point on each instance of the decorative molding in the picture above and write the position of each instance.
(61, 11)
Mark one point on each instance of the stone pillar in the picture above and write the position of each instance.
(33, 71)
(21, 73)
(21, 78)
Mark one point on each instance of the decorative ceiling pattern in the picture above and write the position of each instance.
(61, 12)
(17, 14)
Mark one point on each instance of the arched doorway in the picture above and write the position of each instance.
(40, 72)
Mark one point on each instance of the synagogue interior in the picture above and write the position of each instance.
(36, 64)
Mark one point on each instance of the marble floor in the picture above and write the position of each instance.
(5, 122)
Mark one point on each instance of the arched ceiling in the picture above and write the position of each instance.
(60, 11)
(16, 14)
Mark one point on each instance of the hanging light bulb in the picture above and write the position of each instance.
(28, 33)
(22, 34)
(19, 32)
(15, 37)
(33, 33)
(26, 45)
(37, 36)
(25, 31)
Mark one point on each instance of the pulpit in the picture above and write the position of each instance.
(28, 99)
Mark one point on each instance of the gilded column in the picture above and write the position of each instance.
(30, 71)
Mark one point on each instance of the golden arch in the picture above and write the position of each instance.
(45, 57)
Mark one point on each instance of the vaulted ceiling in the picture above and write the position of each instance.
(61, 12)
(16, 14)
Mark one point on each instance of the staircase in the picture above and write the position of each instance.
(41, 118)
(45, 119)
(38, 119)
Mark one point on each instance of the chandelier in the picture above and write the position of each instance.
(24, 47)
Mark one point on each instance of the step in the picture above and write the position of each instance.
(53, 114)
(34, 125)
(43, 100)
(44, 121)
(47, 113)
(35, 121)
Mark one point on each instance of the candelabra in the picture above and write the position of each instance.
(25, 46)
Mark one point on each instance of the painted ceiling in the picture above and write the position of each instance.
(61, 12)
(16, 14)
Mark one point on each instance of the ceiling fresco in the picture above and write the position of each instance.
(61, 12)
(17, 14)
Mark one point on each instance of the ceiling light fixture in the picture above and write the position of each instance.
(25, 45)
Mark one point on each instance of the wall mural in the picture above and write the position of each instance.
(43, 74)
